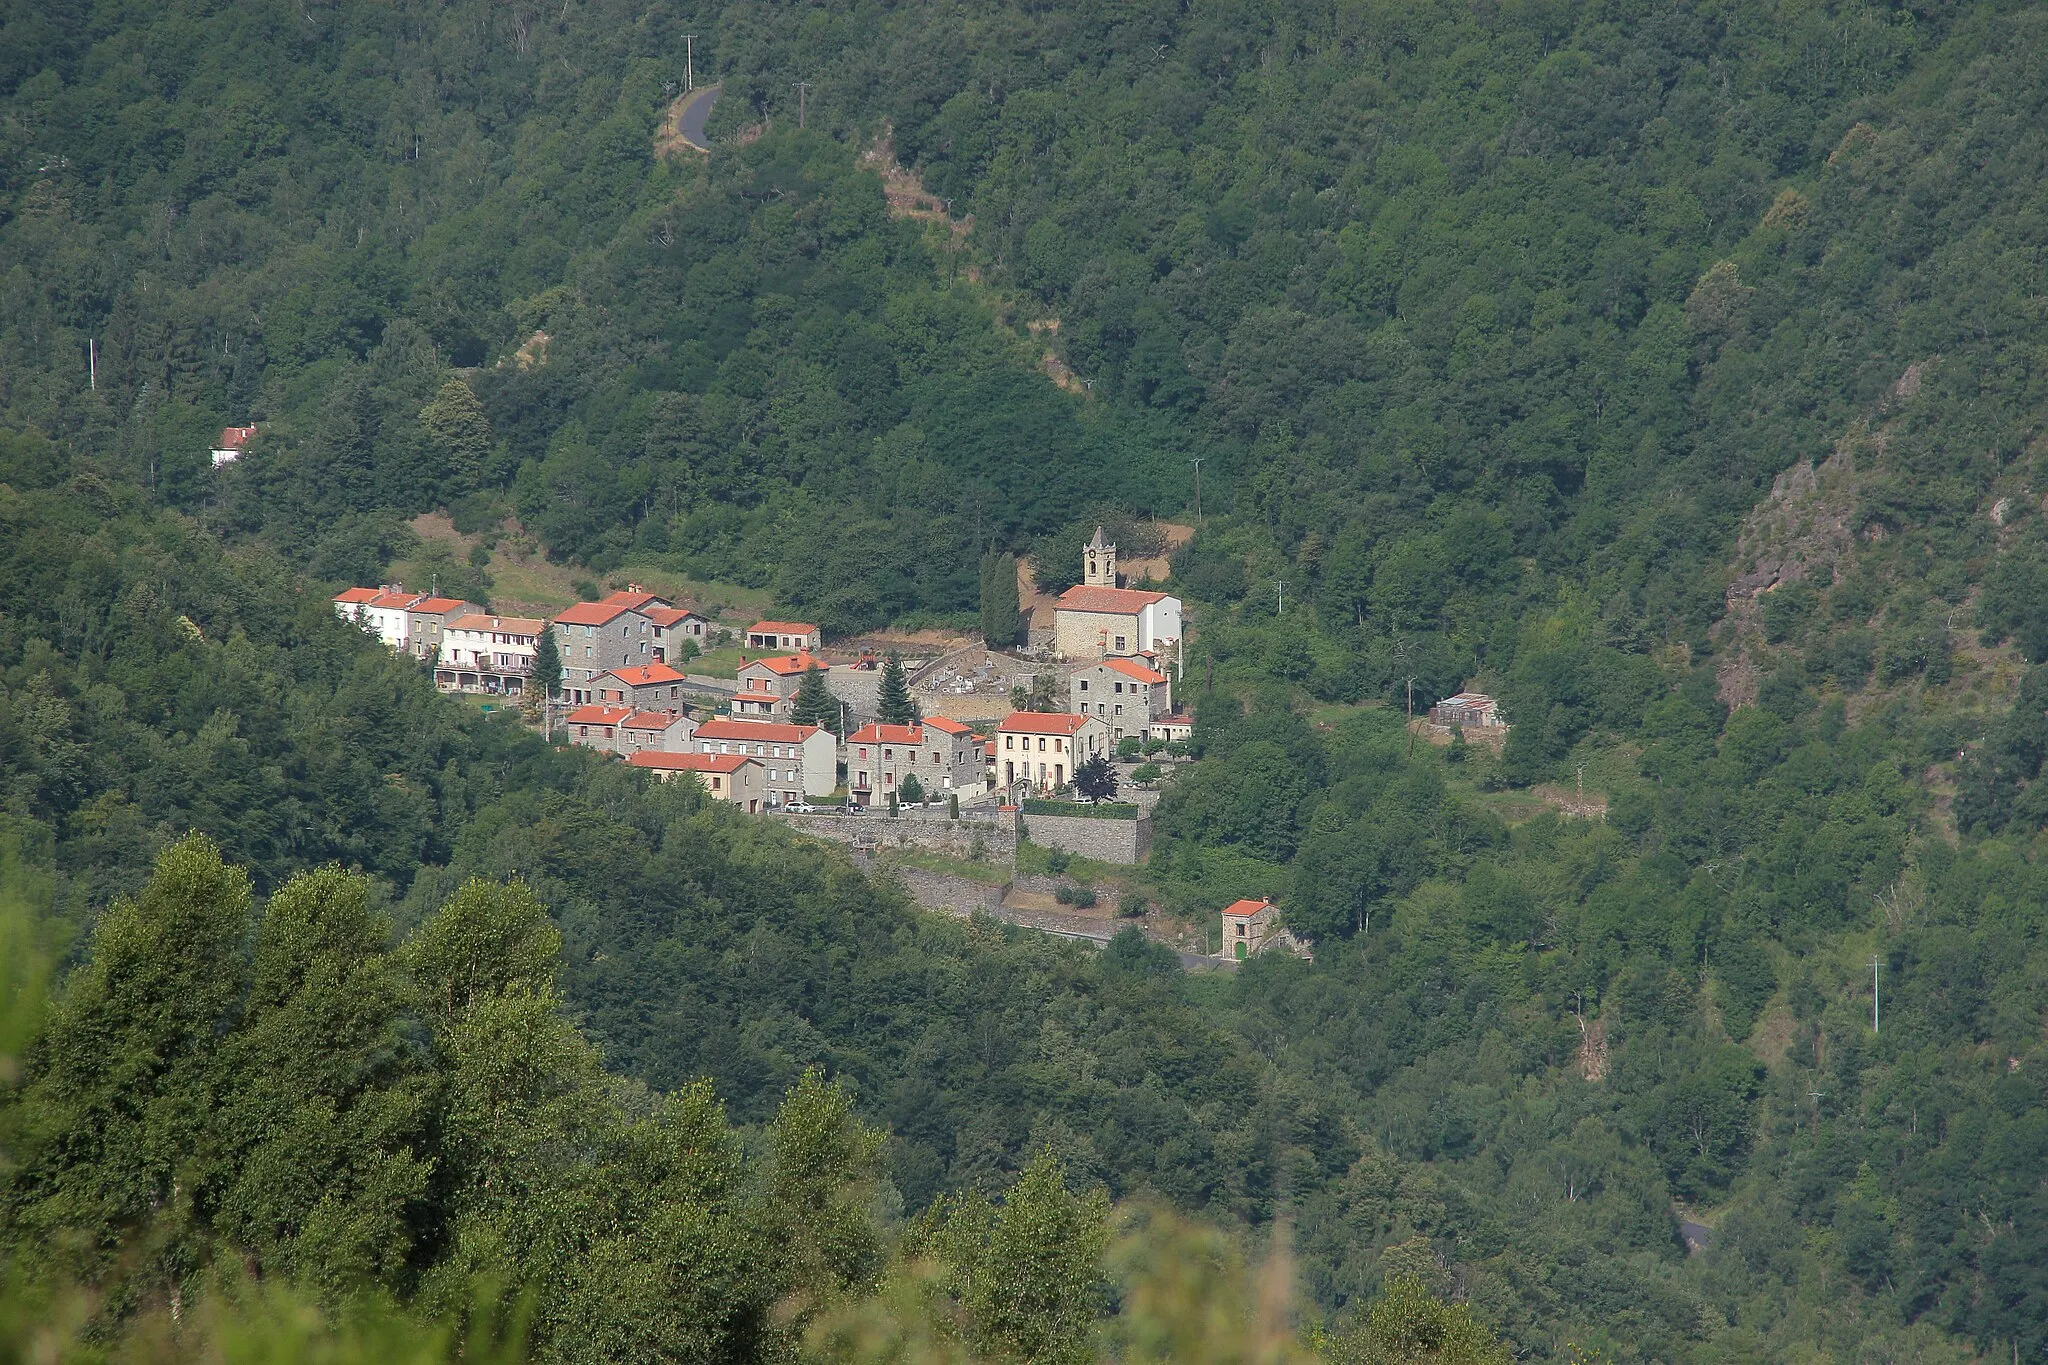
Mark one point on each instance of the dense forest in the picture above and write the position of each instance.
(1673, 372)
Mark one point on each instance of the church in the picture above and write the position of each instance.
(1098, 618)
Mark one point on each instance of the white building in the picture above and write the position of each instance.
(488, 654)
(384, 611)
(1044, 748)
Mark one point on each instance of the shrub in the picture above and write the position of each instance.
(1129, 747)
(1152, 745)
(1145, 772)
(1131, 905)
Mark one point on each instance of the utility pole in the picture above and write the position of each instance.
(1280, 586)
(689, 62)
(1876, 963)
(1582, 790)
(92, 363)
(1411, 715)
(803, 88)
(1196, 461)
(1816, 1096)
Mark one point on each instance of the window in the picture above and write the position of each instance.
(1119, 687)
(1084, 684)
(1120, 642)
(1041, 744)
(1009, 741)
(1119, 708)
(888, 753)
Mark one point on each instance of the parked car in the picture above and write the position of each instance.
(803, 808)
(853, 808)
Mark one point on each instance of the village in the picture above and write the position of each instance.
(1061, 741)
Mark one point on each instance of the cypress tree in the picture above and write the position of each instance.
(547, 662)
(1002, 618)
(896, 706)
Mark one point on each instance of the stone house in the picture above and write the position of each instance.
(488, 654)
(943, 754)
(727, 777)
(644, 687)
(1098, 617)
(800, 760)
(673, 628)
(594, 638)
(661, 732)
(767, 686)
(1249, 926)
(1468, 711)
(430, 620)
(1044, 748)
(1126, 695)
(596, 727)
(794, 637)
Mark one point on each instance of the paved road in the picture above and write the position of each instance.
(694, 114)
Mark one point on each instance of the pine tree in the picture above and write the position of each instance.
(814, 704)
(1002, 619)
(896, 706)
(547, 663)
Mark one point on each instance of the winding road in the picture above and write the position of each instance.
(692, 112)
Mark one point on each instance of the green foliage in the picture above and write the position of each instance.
(1099, 810)
(895, 706)
(547, 664)
(813, 704)
(1002, 619)
(1096, 778)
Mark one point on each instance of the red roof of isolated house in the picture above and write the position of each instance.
(1242, 908)
(592, 614)
(653, 720)
(597, 715)
(947, 725)
(694, 763)
(351, 596)
(877, 733)
(756, 731)
(645, 675)
(234, 438)
(787, 664)
(1130, 668)
(1115, 601)
(1042, 723)
(781, 628)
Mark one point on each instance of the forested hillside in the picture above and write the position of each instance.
(1672, 371)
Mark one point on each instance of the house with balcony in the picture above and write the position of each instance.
(1043, 748)
(492, 655)
(941, 753)
(768, 686)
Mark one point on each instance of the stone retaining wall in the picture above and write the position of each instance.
(1108, 841)
(994, 840)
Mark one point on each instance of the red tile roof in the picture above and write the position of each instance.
(1246, 907)
(756, 731)
(1114, 601)
(397, 600)
(355, 595)
(781, 628)
(669, 616)
(947, 725)
(439, 606)
(1042, 723)
(506, 625)
(1132, 669)
(234, 438)
(694, 763)
(645, 675)
(597, 715)
(876, 733)
(592, 614)
(633, 599)
(787, 664)
(653, 720)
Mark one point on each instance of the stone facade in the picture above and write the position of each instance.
(1107, 841)
(994, 840)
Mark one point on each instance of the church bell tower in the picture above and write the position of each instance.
(1098, 568)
